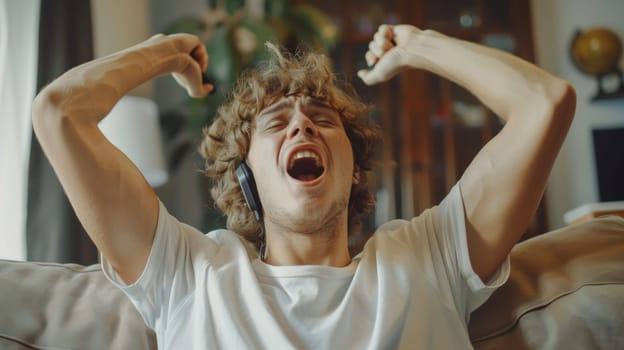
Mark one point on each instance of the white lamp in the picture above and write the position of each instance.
(132, 126)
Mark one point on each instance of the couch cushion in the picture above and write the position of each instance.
(565, 291)
(64, 306)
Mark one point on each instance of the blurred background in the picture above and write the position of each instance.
(432, 128)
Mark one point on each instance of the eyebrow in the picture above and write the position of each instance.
(275, 108)
(288, 103)
(315, 102)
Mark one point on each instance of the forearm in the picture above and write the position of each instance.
(89, 91)
(503, 82)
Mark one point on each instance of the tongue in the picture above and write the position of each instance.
(305, 169)
(306, 177)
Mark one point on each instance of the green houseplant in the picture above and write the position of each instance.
(234, 32)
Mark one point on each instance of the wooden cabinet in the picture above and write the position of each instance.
(432, 128)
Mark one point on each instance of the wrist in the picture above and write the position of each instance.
(122, 71)
(435, 52)
(422, 48)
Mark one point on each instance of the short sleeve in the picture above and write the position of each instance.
(168, 276)
(470, 291)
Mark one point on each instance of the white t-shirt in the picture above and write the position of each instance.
(411, 287)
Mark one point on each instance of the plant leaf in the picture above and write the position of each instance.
(223, 59)
(318, 27)
(263, 32)
(276, 8)
(232, 6)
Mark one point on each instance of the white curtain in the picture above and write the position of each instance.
(19, 24)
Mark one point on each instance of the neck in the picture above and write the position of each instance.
(325, 246)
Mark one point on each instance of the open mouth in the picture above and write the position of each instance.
(305, 166)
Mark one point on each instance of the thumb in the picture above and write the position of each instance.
(370, 77)
(387, 67)
(378, 74)
(191, 77)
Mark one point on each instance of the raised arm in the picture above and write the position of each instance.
(502, 187)
(113, 201)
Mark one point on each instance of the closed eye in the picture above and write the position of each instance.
(324, 119)
(275, 124)
(325, 122)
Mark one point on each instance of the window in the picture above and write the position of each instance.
(19, 23)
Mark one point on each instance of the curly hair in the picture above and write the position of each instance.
(226, 141)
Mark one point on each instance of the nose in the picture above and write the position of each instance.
(301, 124)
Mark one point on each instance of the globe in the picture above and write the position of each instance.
(596, 51)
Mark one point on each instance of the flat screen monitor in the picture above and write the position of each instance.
(609, 154)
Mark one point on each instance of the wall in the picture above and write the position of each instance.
(118, 24)
(573, 181)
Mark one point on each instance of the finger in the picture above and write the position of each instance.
(186, 43)
(379, 47)
(380, 35)
(371, 59)
(190, 77)
(369, 77)
(384, 34)
(209, 89)
(375, 48)
(194, 90)
(372, 77)
(387, 45)
(403, 30)
(385, 31)
(385, 68)
(200, 55)
(200, 90)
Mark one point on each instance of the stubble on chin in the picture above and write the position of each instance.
(320, 221)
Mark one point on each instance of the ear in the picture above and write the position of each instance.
(356, 174)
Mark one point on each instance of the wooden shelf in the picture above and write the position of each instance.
(427, 147)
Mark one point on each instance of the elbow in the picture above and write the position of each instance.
(563, 102)
(46, 109)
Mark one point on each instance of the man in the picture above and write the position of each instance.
(415, 283)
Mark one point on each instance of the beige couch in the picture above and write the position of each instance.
(566, 291)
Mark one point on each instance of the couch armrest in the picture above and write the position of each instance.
(66, 306)
(565, 291)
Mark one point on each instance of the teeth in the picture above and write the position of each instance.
(305, 154)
